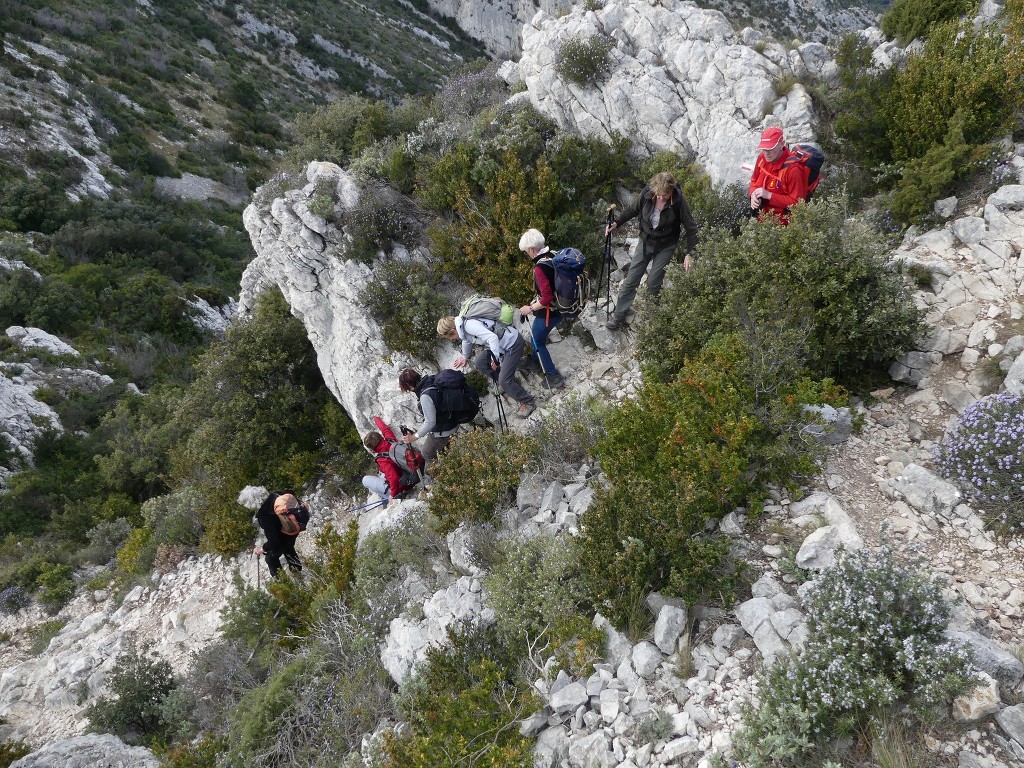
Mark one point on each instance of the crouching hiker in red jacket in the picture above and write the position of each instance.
(400, 465)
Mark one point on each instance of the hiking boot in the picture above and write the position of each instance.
(525, 409)
(615, 323)
(554, 381)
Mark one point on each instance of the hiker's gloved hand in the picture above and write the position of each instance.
(257, 550)
(460, 362)
(409, 437)
(608, 229)
(495, 367)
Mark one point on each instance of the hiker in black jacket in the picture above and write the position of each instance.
(277, 543)
(436, 434)
(663, 214)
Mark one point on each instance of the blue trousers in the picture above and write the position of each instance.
(540, 328)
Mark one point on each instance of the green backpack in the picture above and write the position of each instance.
(485, 308)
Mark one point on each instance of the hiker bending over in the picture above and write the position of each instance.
(393, 480)
(277, 543)
(435, 430)
(663, 214)
(542, 308)
(776, 184)
(499, 358)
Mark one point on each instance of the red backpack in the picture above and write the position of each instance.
(811, 158)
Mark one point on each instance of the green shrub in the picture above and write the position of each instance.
(138, 684)
(538, 601)
(569, 433)
(42, 634)
(584, 61)
(317, 708)
(201, 754)
(379, 223)
(462, 706)
(402, 297)
(821, 282)
(960, 70)
(931, 177)
(517, 198)
(682, 453)
(984, 455)
(386, 556)
(11, 750)
(104, 540)
(56, 587)
(875, 644)
(478, 473)
(907, 20)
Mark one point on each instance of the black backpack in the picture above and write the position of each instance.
(455, 401)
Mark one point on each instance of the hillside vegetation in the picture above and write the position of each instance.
(772, 320)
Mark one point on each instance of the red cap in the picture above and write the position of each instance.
(770, 139)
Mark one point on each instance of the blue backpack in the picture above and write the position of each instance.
(569, 279)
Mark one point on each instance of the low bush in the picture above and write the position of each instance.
(584, 60)
(403, 297)
(315, 709)
(960, 70)
(138, 685)
(386, 557)
(13, 599)
(55, 586)
(984, 455)
(569, 433)
(105, 539)
(908, 20)
(11, 750)
(462, 707)
(380, 222)
(538, 601)
(931, 176)
(682, 455)
(219, 675)
(822, 282)
(875, 644)
(42, 634)
(478, 473)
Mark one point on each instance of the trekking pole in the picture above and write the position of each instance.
(502, 419)
(607, 265)
(371, 505)
(259, 583)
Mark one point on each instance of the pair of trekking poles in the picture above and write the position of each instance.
(605, 275)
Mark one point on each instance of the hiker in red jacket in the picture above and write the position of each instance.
(395, 481)
(775, 184)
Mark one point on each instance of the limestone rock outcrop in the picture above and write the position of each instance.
(91, 751)
(679, 79)
(298, 252)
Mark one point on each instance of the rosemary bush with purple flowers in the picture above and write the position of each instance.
(984, 456)
(875, 645)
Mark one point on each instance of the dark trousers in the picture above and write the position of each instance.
(288, 550)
